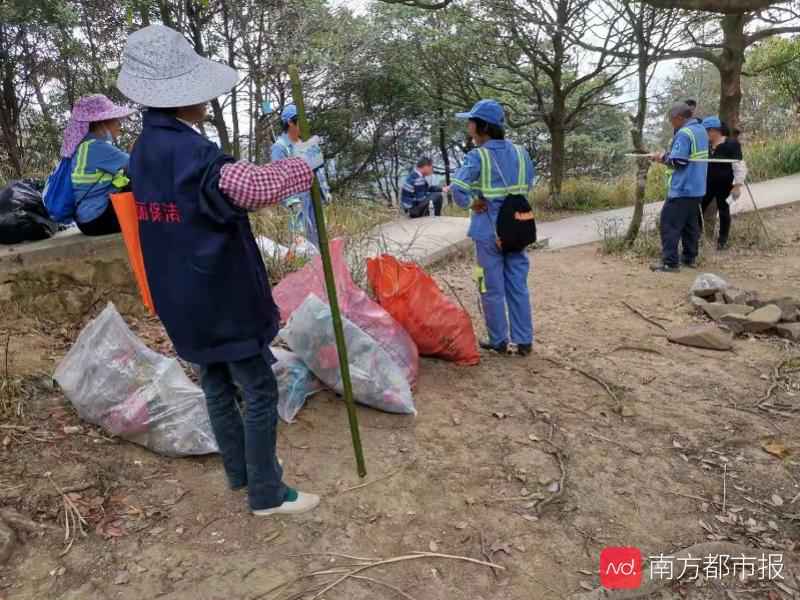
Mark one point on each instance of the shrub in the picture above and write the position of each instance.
(773, 158)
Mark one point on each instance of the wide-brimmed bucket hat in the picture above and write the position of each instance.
(161, 69)
(87, 110)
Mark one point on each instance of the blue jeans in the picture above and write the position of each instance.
(506, 280)
(680, 222)
(247, 444)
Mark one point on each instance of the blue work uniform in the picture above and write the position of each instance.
(686, 186)
(284, 148)
(417, 194)
(97, 169)
(495, 170)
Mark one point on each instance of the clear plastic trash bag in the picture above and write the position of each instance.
(115, 381)
(296, 383)
(377, 380)
(354, 304)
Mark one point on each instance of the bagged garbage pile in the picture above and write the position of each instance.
(377, 379)
(23, 216)
(113, 380)
(296, 382)
(435, 323)
(355, 305)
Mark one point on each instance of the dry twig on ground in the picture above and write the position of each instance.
(320, 590)
(74, 521)
(640, 314)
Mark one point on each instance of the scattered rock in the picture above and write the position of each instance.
(736, 323)
(461, 525)
(698, 302)
(702, 336)
(719, 298)
(707, 284)
(763, 318)
(434, 547)
(790, 331)
(789, 308)
(122, 578)
(716, 311)
(736, 296)
(72, 429)
(777, 500)
(8, 539)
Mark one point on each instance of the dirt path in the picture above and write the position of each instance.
(644, 469)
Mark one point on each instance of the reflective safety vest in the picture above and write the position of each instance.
(484, 184)
(694, 153)
(81, 177)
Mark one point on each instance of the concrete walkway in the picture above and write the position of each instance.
(430, 239)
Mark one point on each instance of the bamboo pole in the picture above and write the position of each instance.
(330, 283)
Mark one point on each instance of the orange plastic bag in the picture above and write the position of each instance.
(438, 326)
(125, 207)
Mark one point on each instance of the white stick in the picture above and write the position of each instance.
(704, 160)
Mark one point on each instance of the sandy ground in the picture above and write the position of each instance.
(525, 462)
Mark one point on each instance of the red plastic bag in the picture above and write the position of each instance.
(354, 303)
(436, 324)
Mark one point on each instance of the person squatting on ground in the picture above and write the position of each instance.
(204, 269)
(303, 220)
(98, 167)
(686, 187)
(417, 194)
(724, 179)
(496, 169)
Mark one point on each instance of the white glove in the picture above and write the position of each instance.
(310, 152)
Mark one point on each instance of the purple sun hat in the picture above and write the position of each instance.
(89, 109)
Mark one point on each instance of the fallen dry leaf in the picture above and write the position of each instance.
(776, 448)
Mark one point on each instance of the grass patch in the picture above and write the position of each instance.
(773, 158)
(747, 233)
(346, 218)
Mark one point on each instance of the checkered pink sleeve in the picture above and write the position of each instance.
(253, 187)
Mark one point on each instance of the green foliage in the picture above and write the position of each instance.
(778, 59)
(773, 157)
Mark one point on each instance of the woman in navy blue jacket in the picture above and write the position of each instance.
(204, 269)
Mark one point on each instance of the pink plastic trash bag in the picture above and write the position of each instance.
(355, 305)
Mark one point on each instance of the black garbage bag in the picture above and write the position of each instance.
(23, 216)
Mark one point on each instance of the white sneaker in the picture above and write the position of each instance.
(303, 503)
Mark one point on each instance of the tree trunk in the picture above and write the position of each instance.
(637, 137)
(730, 68)
(557, 151)
(218, 118)
(229, 39)
(443, 150)
(166, 13)
(9, 120)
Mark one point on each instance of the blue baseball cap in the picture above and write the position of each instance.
(289, 113)
(712, 123)
(486, 110)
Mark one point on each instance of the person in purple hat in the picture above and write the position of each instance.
(98, 167)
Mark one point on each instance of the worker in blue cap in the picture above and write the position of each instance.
(302, 209)
(724, 179)
(491, 172)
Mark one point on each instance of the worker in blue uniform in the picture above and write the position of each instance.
(495, 169)
(686, 186)
(417, 195)
(301, 207)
